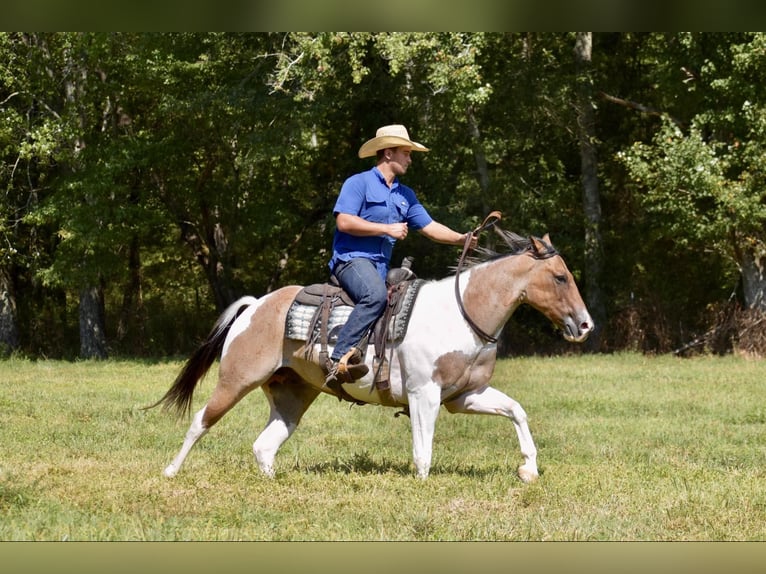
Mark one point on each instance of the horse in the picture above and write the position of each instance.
(446, 356)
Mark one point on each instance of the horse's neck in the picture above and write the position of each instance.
(492, 291)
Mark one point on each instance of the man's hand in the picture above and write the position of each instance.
(474, 240)
(397, 230)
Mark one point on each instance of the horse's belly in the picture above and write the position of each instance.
(367, 391)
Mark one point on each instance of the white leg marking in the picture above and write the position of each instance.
(268, 442)
(424, 409)
(196, 431)
(490, 401)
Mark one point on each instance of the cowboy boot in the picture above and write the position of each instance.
(348, 369)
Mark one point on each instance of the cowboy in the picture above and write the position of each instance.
(372, 212)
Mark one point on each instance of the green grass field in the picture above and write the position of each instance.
(631, 448)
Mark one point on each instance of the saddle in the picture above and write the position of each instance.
(320, 310)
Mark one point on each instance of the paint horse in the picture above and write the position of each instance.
(446, 357)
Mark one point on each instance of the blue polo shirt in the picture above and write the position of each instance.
(367, 195)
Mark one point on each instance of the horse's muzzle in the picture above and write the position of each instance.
(577, 330)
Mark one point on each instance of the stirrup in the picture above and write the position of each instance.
(350, 367)
(341, 372)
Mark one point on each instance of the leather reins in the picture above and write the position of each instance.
(489, 221)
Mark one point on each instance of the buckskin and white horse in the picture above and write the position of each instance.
(446, 356)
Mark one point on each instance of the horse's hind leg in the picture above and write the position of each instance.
(289, 397)
(224, 397)
(250, 355)
(235, 380)
(196, 431)
(490, 401)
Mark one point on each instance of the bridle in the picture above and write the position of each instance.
(489, 221)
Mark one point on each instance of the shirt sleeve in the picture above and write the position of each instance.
(417, 215)
(351, 197)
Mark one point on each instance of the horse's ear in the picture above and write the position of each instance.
(539, 246)
(547, 239)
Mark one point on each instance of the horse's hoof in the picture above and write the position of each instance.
(527, 476)
(170, 471)
(269, 473)
(267, 470)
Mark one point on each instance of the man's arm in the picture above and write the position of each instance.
(355, 225)
(439, 233)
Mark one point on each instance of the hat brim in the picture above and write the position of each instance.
(371, 147)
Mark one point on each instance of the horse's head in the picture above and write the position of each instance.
(552, 290)
(532, 272)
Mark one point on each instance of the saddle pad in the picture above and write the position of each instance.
(300, 316)
(299, 320)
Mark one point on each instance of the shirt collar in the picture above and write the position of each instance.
(382, 178)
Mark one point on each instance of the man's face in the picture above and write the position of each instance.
(400, 160)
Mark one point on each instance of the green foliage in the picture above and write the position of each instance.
(685, 186)
(130, 159)
(701, 181)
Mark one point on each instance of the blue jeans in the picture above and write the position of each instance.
(365, 285)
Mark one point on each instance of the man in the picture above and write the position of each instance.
(372, 212)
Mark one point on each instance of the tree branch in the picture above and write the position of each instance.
(639, 107)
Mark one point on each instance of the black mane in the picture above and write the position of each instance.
(512, 244)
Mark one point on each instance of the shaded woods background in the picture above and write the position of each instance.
(150, 179)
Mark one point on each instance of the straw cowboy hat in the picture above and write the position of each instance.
(389, 136)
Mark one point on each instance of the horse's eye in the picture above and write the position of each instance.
(560, 279)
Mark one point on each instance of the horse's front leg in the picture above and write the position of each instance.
(490, 401)
(424, 402)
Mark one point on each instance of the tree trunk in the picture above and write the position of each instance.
(211, 263)
(482, 171)
(753, 270)
(92, 333)
(9, 327)
(591, 200)
(206, 239)
(132, 320)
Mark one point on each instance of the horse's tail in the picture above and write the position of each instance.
(180, 394)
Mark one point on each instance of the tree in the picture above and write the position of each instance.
(30, 135)
(79, 99)
(591, 200)
(704, 183)
(699, 205)
(10, 126)
(150, 179)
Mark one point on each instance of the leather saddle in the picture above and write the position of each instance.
(326, 298)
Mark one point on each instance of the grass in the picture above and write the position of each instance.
(630, 448)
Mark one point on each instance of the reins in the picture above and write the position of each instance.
(489, 221)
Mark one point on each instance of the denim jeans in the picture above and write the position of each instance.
(361, 280)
